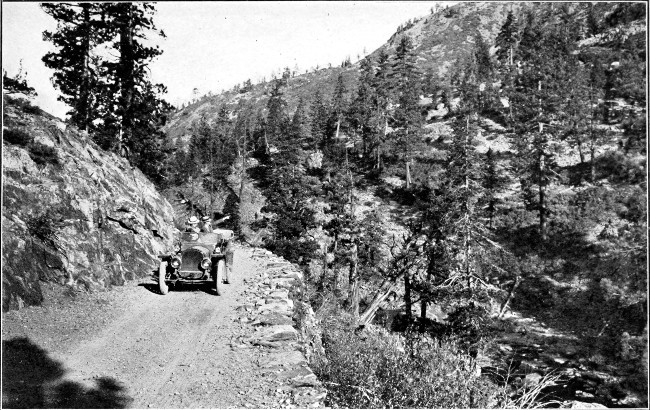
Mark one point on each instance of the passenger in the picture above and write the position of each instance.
(192, 225)
(206, 225)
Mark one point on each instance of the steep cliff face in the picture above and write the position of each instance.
(72, 213)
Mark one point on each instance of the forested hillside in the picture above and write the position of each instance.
(468, 202)
(483, 175)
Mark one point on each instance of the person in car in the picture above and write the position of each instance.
(206, 224)
(192, 225)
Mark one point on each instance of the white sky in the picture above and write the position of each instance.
(215, 45)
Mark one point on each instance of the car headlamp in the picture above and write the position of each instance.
(206, 263)
(176, 262)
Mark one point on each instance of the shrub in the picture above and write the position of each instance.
(43, 228)
(18, 83)
(42, 154)
(296, 251)
(377, 369)
(17, 137)
(619, 168)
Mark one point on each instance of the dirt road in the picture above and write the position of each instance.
(133, 347)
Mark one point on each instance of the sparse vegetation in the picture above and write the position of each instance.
(43, 154)
(17, 136)
(377, 369)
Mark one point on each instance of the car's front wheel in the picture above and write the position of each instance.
(162, 273)
(218, 277)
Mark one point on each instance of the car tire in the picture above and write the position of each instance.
(162, 273)
(218, 277)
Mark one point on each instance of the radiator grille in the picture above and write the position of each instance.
(191, 266)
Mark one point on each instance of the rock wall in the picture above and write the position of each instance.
(279, 322)
(71, 212)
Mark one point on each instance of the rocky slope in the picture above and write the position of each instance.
(71, 213)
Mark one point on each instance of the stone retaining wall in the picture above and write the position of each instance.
(285, 328)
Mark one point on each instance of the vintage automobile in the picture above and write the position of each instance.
(202, 258)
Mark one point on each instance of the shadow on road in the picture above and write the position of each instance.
(179, 287)
(31, 379)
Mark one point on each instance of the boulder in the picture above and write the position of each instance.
(277, 333)
(584, 405)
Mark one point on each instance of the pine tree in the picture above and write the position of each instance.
(276, 118)
(482, 56)
(382, 94)
(124, 81)
(320, 114)
(408, 118)
(507, 41)
(301, 127)
(339, 103)
(363, 110)
(80, 28)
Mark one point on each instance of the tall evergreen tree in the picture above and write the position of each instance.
(382, 93)
(408, 119)
(301, 127)
(277, 119)
(482, 56)
(507, 40)
(363, 110)
(125, 80)
(80, 29)
(339, 103)
(320, 114)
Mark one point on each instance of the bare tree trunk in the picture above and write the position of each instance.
(511, 295)
(542, 199)
(581, 153)
(338, 126)
(408, 176)
(425, 298)
(353, 280)
(467, 244)
(127, 82)
(407, 296)
(592, 162)
(381, 295)
(83, 104)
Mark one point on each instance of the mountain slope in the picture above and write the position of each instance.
(440, 39)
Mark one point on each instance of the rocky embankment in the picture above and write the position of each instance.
(276, 320)
(72, 213)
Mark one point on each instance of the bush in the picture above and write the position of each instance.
(295, 251)
(43, 228)
(42, 154)
(17, 137)
(377, 369)
(619, 168)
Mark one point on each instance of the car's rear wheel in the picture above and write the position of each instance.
(162, 273)
(218, 277)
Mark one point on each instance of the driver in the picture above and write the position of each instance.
(192, 225)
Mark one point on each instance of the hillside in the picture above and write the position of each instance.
(440, 39)
(547, 275)
(72, 213)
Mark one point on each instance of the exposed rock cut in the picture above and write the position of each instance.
(72, 213)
